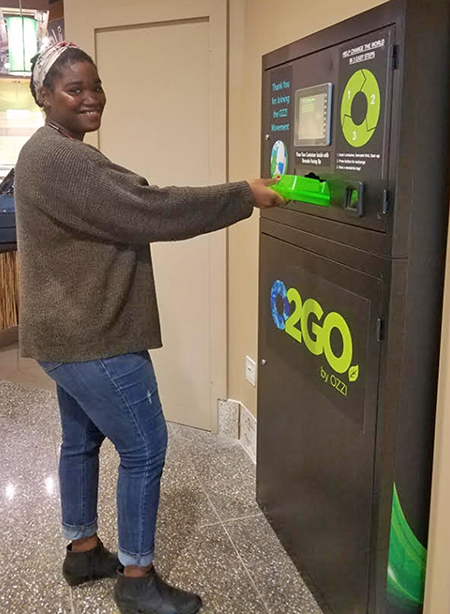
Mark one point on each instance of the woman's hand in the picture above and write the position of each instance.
(265, 198)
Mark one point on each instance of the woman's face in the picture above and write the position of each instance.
(76, 101)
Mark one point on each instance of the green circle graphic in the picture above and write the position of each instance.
(363, 81)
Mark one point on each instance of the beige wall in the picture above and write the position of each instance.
(256, 30)
(437, 594)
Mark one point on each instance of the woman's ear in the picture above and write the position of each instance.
(45, 97)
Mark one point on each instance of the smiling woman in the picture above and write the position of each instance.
(67, 86)
(88, 314)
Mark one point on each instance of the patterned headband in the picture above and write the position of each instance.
(45, 61)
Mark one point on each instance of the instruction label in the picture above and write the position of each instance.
(313, 158)
(354, 161)
(281, 100)
(362, 103)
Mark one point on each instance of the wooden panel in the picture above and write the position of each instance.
(9, 290)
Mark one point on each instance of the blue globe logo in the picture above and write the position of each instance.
(278, 159)
(278, 301)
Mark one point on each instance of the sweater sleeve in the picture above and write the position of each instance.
(87, 192)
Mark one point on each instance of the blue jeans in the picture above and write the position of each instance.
(115, 398)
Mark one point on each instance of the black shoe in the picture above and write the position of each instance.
(151, 595)
(94, 564)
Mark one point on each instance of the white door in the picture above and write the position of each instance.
(165, 119)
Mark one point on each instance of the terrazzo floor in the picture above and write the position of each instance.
(211, 538)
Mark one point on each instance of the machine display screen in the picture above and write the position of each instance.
(313, 115)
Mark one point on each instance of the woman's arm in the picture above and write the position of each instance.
(87, 192)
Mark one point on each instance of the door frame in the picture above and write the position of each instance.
(83, 19)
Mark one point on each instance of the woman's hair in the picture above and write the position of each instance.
(70, 56)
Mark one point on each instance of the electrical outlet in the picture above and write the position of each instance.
(250, 370)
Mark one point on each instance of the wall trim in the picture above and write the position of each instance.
(237, 422)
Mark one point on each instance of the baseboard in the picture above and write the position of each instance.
(235, 421)
(247, 432)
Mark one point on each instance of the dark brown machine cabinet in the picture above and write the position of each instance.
(318, 393)
(350, 301)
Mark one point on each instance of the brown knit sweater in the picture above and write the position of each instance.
(84, 227)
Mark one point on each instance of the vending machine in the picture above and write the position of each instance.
(355, 121)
